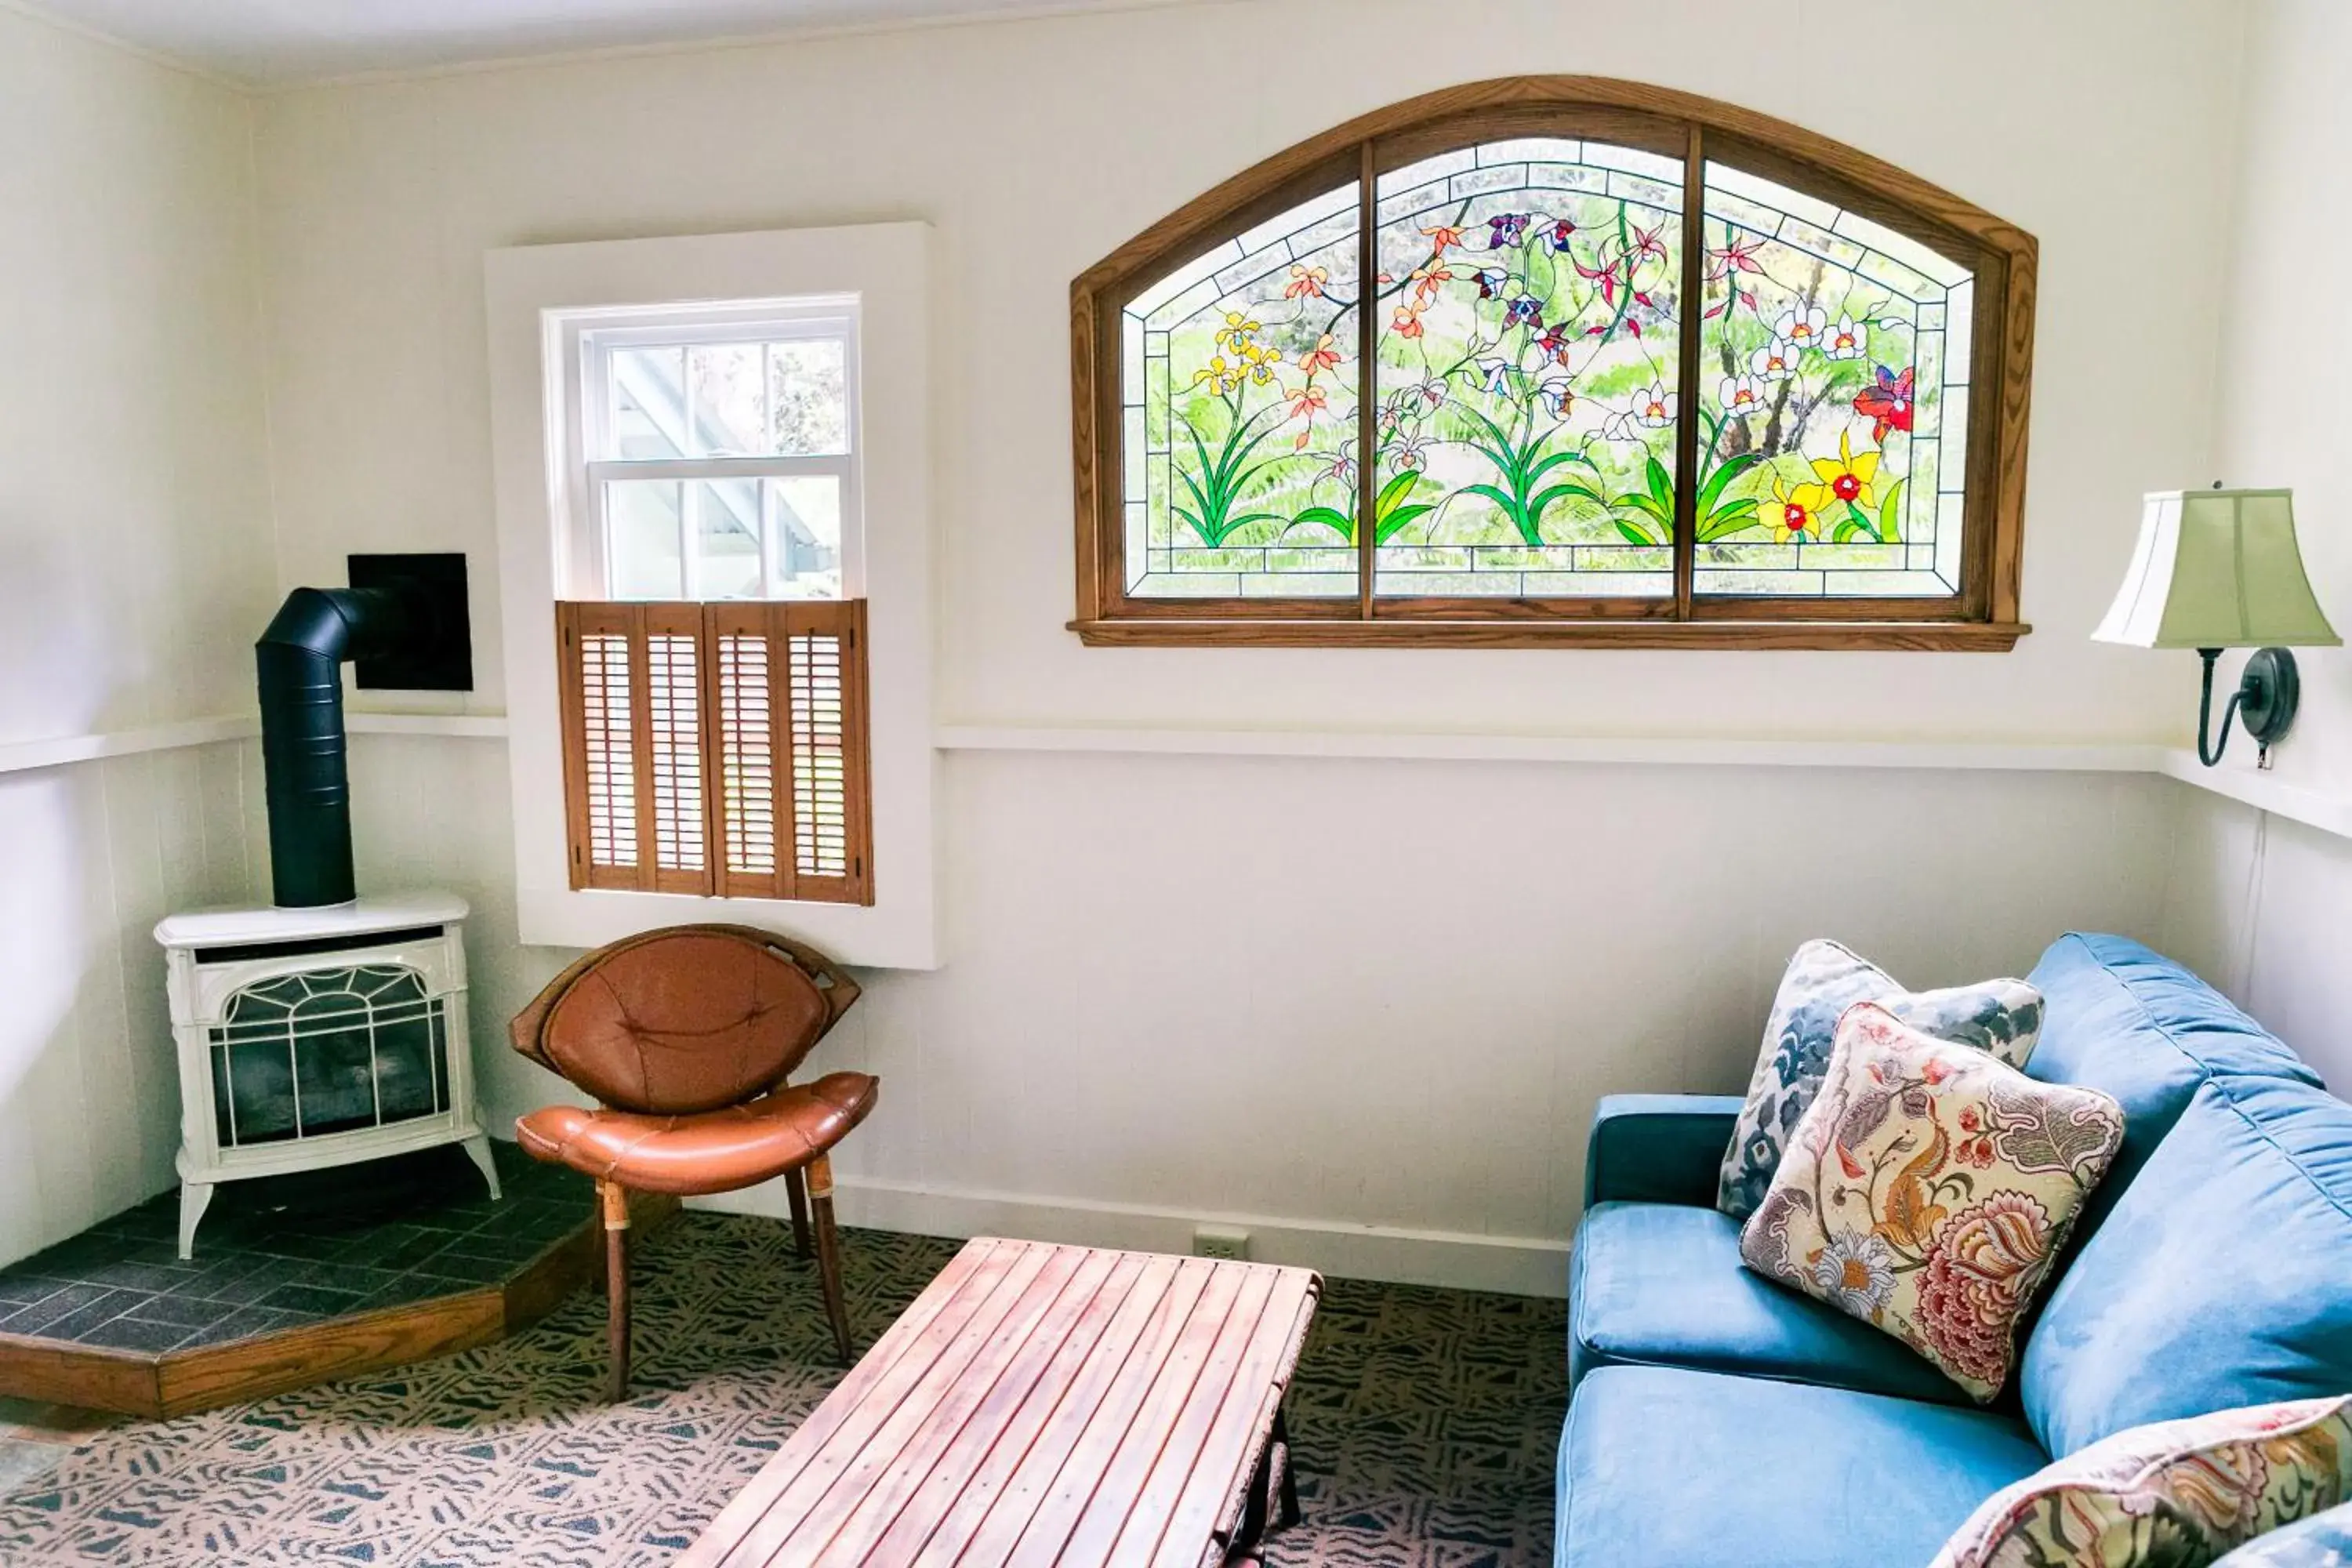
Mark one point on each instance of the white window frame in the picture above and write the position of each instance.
(540, 299)
(589, 341)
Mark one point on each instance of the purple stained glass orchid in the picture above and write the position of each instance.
(1506, 230)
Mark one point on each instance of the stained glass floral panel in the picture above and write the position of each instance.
(1528, 346)
(1239, 404)
(1834, 401)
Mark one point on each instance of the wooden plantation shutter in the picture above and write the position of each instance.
(718, 748)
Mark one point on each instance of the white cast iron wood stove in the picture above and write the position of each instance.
(328, 1027)
(311, 1037)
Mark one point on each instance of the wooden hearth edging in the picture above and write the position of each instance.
(177, 1383)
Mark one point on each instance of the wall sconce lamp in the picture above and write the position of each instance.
(2216, 569)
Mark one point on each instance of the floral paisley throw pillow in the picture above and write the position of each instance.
(1927, 1191)
(2177, 1494)
(2003, 1017)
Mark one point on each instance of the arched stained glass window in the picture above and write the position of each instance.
(1587, 418)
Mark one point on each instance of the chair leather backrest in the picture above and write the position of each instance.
(684, 1020)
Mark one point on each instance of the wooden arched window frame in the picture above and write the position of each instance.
(1218, 414)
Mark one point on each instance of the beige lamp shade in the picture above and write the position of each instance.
(2217, 569)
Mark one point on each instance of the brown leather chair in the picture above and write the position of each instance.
(686, 1037)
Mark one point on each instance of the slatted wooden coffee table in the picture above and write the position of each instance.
(1040, 1404)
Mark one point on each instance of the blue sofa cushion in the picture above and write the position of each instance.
(2322, 1540)
(1657, 1148)
(1664, 1468)
(2223, 1277)
(2122, 1018)
(1662, 1285)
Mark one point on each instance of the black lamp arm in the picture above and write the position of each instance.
(2210, 755)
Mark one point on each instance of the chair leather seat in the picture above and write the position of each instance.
(705, 1151)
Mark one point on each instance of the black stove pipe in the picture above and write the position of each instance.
(300, 662)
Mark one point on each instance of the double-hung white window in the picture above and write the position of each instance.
(715, 453)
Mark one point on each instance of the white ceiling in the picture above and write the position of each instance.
(281, 41)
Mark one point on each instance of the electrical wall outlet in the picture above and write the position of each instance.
(1220, 1241)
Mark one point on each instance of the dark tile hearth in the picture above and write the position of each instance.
(283, 1252)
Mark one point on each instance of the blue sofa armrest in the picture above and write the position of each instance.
(1658, 1148)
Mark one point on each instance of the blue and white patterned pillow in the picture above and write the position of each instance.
(1825, 978)
(2322, 1540)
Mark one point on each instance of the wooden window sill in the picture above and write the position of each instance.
(1924, 636)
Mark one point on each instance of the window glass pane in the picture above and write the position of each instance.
(1239, 404)
(808, 391)
(1529, 362)
(642, 523)
(648, 409)
(730, 410)
(727, 532)
(1836, 367)
(804, 518)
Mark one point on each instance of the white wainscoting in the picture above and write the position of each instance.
(1361, 1005)
(1517, 1266)
(96, 852)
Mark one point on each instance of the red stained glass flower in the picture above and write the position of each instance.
(1735, 256)
(1888, 404)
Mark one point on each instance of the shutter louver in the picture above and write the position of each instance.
(612, 776)
(599, 669)
(746, 770)
(729, 740)
(820, 800)
(824, 675)
(673, 702)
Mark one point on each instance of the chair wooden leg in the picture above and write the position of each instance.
(828, 1254)
(616, 1204)
(796, 1192)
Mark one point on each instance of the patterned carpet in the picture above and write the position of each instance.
(1425, 1423)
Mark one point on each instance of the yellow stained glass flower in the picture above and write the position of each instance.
(1238, 331)
(1221, 376)
(1796, 515)
(1846, 477)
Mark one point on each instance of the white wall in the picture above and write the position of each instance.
(135, 533)
(2258, 906)
(1330, 994)
(2268, 907)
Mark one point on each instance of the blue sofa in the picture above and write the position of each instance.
(1716, 1417)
